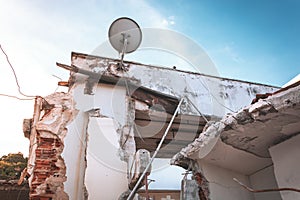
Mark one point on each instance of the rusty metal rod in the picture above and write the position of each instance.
(156, 151)
(32, 138)
(265, 190)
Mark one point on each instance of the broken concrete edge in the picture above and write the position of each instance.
(275, 103)
(97, 64)
(135, 90)
(197, 174)
(139, 165)
(141, 160)
(46, 166)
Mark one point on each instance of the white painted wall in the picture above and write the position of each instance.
(109, 98)
(112, 102)
(222, 186)
(286, 159)
(265, 179)
(209, 94)
(106, 176)
(74, 156)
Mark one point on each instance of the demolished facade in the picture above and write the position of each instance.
(83, 143)
(257, 146)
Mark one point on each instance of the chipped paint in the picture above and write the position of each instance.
(101, 91)
(46, 165)
(252, 130)
(232, 126)
(202, 190)
(210, 94)
(142, 159)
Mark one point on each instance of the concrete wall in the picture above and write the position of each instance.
(210, 94)
(286, 159)
(106, 176)
(265, 179)
(74, 157)
(91, 148)
(222, 186)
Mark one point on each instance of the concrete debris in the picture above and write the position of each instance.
(48, 172)
(27, 123)
(198, 179)
(124, 195)
(127, 143)
(236, 121)
(145, 90)
(142, 159)
(189, 189)
(253, 129)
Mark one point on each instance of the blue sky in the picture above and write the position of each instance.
(249, 40)
(254, 40)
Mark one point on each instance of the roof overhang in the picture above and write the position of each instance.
(246, 136)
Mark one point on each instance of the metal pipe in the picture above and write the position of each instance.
(125, 36)
(146, 185)
(32, 138)
(156, 151)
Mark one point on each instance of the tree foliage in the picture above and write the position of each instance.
(12, 165)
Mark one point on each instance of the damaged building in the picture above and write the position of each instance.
(97, 140)
(256, 147)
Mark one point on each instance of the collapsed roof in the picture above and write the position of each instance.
(248, 133)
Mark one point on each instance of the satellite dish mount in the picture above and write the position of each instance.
(125, 42)
(125, 36)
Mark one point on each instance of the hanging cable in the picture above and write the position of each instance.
(16, 79)
(206, 87)
(202, 115)
(15, 97)
(58, 79)
(129, 96)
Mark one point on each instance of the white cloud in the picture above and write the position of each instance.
(172, 20)
(169, 21)
(165, 22)
(36, 34)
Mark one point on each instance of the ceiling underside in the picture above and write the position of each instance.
(266, 131)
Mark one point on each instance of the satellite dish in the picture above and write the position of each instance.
(125, 36)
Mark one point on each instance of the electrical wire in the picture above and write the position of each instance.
(17, 81)
(129, 96)
(202, 115)
(57, 78)
(15, 97)
(206, 87)
(265, 190)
